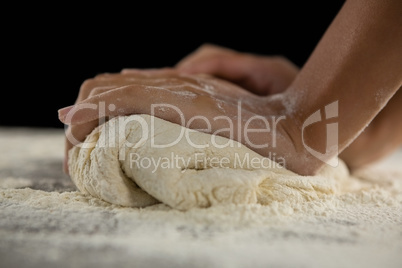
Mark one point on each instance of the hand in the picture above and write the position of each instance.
(269, 75)
(199, 100)
(260, 75)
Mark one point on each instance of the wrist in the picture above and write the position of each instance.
(313, 128)
(290, 142)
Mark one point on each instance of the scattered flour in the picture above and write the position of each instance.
(357, 227)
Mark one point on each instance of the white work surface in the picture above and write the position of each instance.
(45, 222)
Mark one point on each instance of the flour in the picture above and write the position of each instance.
(357, 226)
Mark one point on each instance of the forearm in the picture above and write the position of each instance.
(382, 137)
(358, 63)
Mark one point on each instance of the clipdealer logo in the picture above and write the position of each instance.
(330, 111)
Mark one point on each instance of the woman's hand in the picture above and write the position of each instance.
(196, 101)
(261, 75)
(269, 75)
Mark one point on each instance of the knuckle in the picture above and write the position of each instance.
(104, 76)
(87, 86)
(209, 46)
(127, 90)
(280, 59)
(96, 91)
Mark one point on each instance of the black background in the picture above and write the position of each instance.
(48, 52)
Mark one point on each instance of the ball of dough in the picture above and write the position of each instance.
(140, 160)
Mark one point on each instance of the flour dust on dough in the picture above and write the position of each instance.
(119, 163)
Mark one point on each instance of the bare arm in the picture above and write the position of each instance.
(382, 137)
(358, 63)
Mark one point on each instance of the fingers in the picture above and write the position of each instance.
(88, 114)
(208, 59)
(239, 68)
(75, 134)
(128, 100)
(115, 80)
(142, 92)
(244, 69)
(205, 51)
(93, 91)
(137, 98)
(102, 81)
(261, 75)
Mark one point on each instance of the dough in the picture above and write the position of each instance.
(119, 163)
